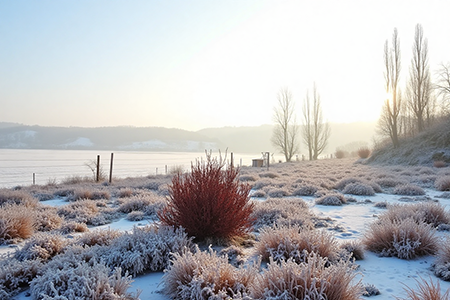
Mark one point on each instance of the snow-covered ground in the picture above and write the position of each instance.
(389, 275)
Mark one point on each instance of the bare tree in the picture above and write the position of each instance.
(315, 131)
(285, 133)
(443, 86)
(388, 123)
(420, 79)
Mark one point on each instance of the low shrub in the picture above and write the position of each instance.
(70, 227)
(270, 175)
(354, 248)
(408, 190)
(14, 275)
(292, 242)
(441, 267)
(358, 189)
(333, 200)
(426, 291)
(16, 221)
(306, 190)
(209, 202)
(85, 193)
(47, 218)
(282, 212)
(363, 152)
(147, 202)
(8, 196)
(431, 213)
(136, 216)
(42, 246)
(405, 239)
(339, 154)
(248, 177)
(389, 182)
(81, 280)
(205, 275)
(443, 183)
(278, 193)
(313, 279)
(341, 184)
(125, 193)
(101, 237)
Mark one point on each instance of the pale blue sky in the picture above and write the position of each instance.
(197, 64)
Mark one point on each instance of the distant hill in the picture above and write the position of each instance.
(107, 138)
(237, 139)
(431, 145)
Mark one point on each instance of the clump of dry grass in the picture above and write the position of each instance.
(439, 164)
(312, 279)
(16, 221)
(292, 242)
(282, 212)
(405, 239)
(443, 183)
(47, 218)
(146, 202)
(89, 212)
(426, 291)
(409, 190)
(14, 275)
(8, 196)
(305, 190)
(363, 152)
(205, 275)
(333, 200)
(427, 212)
(87, 193)
(100, 237)
(42, 246)
(71, 226)
(358, 189)
(354, 248)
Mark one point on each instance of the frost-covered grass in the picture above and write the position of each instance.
(289, 229)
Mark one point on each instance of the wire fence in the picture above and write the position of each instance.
(25, 167)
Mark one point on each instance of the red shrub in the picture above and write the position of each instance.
(209, 202)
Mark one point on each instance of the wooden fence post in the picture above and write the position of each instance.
(34, 178)
(98, 168)
(111, 167)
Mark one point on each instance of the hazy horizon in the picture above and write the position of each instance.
(201, 64)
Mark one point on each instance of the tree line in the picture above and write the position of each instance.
(286, 134)
(421, 102)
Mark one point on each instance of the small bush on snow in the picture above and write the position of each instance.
(145, 249)
(101, 237)
(306, 190)
(443, 183)
(136, 216)
(441, 267)
(282, 212)
(334, 200)
(428, 212)
(42, 246)
(405, 239)
(312, 279)
(409, 190)
(81, 280)
(278, 193)
(358, 189)
(16, 221)
(15, 274)
(8, 196)
(292, 242)
(354, 248)
(69, 227)
(205, 275)
(426, 291)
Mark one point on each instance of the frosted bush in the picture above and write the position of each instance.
(70, 227)
(15, 274)
(409, 190)
(370, 290)
(405, 239)
(205, 275)
(333, 200)
(268, 175)
(443, 183)
(441, 267)
(358, 189)
(262, 183)
(282, 211)
(248, 177)
(47, 218)
(292, 242)
(145, 249)
(278, 193)
(8, 196)
(389, 182)
(136, 216)
(306, 190)
(428, 212)
(42, 246)
(426, 291)
(88, 211)
(101, 237)
(81, 280)
(16, 221)
(344, 182)
(142, 202)
(313, 279)
(354, 248)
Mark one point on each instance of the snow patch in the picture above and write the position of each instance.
(79, 142)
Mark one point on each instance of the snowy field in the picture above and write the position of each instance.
(350, 221)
